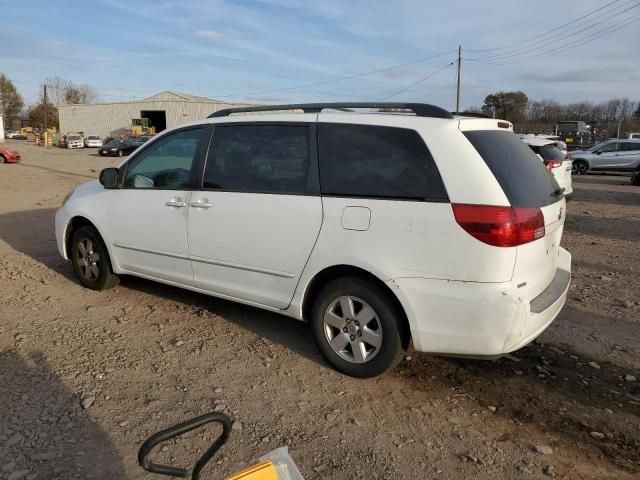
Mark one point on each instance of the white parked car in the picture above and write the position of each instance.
(557, 162)
(377, 228)
(75, 141)
(93, 141)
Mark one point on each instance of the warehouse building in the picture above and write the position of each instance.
(164, 110)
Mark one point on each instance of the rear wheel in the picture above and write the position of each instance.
(358, 327)
(579, 167)
(2, 159)
(90, 260)
(635, 178)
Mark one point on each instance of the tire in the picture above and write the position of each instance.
(579, 167)
(90, 260)
(2, 159)
(384, 329)
(635, 178)
(119, 153)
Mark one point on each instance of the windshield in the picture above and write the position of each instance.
(567, 126)
(74, 139)
(93, 137)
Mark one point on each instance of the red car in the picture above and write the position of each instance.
(8, 156)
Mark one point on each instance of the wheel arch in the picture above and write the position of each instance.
(74, 224)
(328, 274)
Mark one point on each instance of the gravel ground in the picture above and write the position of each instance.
(85, 377)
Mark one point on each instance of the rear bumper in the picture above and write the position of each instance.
(479, 319)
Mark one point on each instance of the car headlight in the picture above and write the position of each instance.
(67, 197)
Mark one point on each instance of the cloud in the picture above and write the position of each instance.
(209, 35)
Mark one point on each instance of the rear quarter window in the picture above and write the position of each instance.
(376, 161)
(550, 152)
(522, 176)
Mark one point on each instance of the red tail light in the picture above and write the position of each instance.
(500, 226)
(551, 164)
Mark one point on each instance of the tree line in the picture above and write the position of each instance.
(541, 116)
(59, 92)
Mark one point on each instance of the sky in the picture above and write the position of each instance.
(261, 50)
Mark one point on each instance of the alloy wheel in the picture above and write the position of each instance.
(88, 259)
(353, 329)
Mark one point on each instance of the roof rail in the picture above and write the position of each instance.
(470, 114)
(420, 109)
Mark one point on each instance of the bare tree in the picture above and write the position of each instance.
(79, 94)
(63, 92)
(56, 88)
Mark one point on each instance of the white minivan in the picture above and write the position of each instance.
(380, 224)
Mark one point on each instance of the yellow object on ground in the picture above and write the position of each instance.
(262, 471)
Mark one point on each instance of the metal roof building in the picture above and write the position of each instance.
(164, 110)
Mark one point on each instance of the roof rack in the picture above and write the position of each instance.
(471, 114)
(420, 109)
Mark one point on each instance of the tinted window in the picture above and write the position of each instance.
(374, 161)
(259, 158)
(567, 126)
(522, 176)
(631, 147)
(166, 163)
(609, 147)
(550, 152)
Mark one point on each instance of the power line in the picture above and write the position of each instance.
(545, 33)
(340, 79)
(423, 79)
(550, 41)
(594, 36)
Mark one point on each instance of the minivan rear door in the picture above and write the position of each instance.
(526, 183)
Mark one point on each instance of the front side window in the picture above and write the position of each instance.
(165, 164)
(258, 158)
(376, 161)
(609, 147)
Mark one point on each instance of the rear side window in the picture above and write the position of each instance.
(258, 158)
(522, 176)
(632, 147)
(376, 161)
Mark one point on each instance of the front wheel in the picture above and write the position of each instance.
(579, 167)
(635, 178)
(90, 260)
(358, 327)
(119, 153)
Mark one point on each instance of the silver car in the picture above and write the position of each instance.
(619, 155)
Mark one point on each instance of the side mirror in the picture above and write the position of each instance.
(109, 177)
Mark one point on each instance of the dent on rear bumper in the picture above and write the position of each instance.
(467, 318)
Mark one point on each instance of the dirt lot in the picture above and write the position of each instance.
(145, 356)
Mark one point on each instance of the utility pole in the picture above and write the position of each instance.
(46, 111)
(459, 68)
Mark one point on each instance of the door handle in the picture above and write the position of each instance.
(176, 202)
(204, 203)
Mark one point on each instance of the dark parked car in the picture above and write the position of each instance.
(118, 148)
